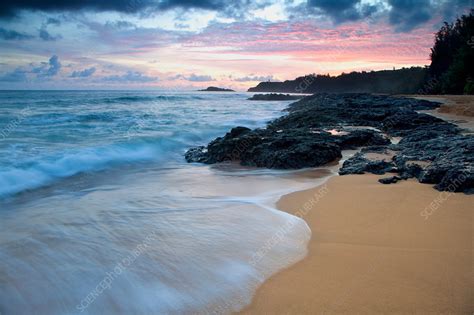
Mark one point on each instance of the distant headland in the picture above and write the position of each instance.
(385, 81)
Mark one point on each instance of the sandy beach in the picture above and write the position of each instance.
(460, 105)
(380, 249)
(458, 109)
(376, 249)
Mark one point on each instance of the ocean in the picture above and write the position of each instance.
(100, 213)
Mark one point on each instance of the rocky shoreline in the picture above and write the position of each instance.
(275, 97)
(394, 137)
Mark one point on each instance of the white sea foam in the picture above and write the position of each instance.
(216, 233)
(47, 169)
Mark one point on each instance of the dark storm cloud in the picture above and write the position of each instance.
(332, 6)
(405, 15)
(10, 8)
(343, 10)
(13, 35)
(209, 5)
(452, 9)
(235, 8)
(46, 36)
(53, 21)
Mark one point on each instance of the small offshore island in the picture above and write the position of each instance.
(215, 89)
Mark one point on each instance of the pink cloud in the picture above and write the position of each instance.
(305, 41)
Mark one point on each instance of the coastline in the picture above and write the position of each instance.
(373, 251)
(370, 242)
(404, 248)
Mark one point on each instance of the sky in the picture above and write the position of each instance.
(188, 44)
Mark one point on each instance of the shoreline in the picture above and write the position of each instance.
(331, 123)
(372, 251)
(404, 248)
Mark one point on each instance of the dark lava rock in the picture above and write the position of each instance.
(227, 148)
(403, 122)
(317, 128)
(448, 159)
(456, 180)
(291, 154)
(359, 138)
(281, 149)
(323, 110)
(390, 180)
(358, 164)
(275, 97)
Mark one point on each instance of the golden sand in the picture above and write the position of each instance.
(458, 109)
(377, 249)
(461, 105)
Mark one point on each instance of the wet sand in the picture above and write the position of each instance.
(376, 249)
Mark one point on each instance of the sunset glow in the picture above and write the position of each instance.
(188, 46)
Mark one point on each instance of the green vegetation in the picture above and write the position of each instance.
(401, 81)
(452, 57)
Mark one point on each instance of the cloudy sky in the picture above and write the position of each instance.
(81, 44)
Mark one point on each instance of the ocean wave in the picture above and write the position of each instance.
(147, 98)
(49, 118)
(45, 170)
(64, 118)
(100, 117)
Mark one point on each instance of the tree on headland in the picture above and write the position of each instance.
(400, 81)
(452, 57)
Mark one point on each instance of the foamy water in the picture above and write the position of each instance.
(100, 213)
